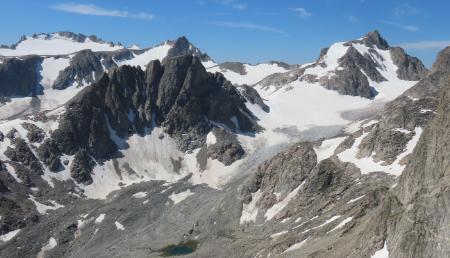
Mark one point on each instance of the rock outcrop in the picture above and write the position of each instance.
(20, 77)
(85, 67)
(226, 148)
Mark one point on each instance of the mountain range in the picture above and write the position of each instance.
(114, 151)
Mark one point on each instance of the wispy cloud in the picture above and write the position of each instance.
(406, 10)
(89, 9)
(301, 11)
(235, 4)
(426, 45)
(249, 26)
(240, 7)
(353, 19)
(406, 27)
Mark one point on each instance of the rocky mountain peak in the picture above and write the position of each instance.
(374, 38)
(443, 61)
(182, 46)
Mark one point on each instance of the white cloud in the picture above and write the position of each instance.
(353, 19)
(426, 45)
(89, 9)
(407, 27)
(250, 26)
(302, 12)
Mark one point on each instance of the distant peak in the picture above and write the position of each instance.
(374, 38)
(182, 46)
(76, 37)
(182, 39)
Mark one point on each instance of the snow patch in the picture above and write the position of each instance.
(342, 224)
(51, 67)
(119, 226)
(250, 210)
(210, 138)
(42, 208)
(142, 60)
(179, 197)
(356, 199)
(368, 165)
(140, 195)
(49, 246)
(10, 235)
(100, 218)
(12, 171)
(327, 147)
(296, 246)
(278, 234)
(279, 206)
(383, 253)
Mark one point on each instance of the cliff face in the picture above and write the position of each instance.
(420, 228)
(20, 77)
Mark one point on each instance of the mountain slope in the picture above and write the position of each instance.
(142, 158)
(366, 67)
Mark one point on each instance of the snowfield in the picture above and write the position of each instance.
(55, 45)
(253, 73)
(156, 53)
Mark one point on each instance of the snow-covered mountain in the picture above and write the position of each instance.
(366, 67)
(70, 62)
(130, 152)
(59, 43)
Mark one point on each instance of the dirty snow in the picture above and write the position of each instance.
(12, 171)
(100, 218)
(179, 197)
(140, 195)
(42, 208)
(279, 206)
(356, 199)
(326, 149)
(296, 246)
(328, 221)
(49, 246)
(250, 210)
(278, 234)
(10, 235)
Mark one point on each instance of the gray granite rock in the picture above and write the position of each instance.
(226, 149)
(409, 68)
(20, 77)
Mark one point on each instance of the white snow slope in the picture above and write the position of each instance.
(56, 44)
(253, 73)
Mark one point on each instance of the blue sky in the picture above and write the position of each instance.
(252, 31)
